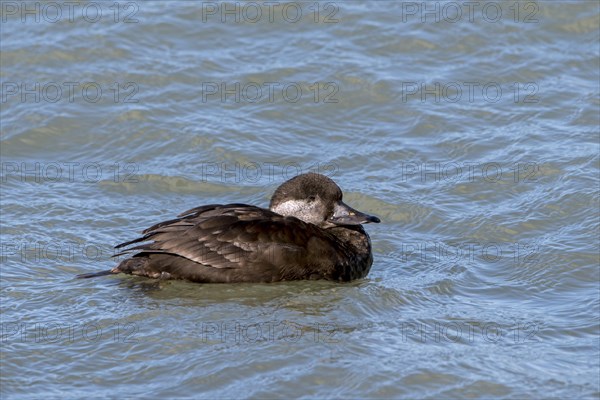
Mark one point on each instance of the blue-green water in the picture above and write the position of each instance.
(471, 130)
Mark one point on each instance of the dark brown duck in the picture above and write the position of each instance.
(307, 233)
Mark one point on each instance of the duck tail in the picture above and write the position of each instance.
(95, 274)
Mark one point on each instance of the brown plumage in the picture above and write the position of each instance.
(308, 234)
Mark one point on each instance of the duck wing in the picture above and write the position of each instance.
(239, 236)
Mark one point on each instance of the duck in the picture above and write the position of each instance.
(307, 233)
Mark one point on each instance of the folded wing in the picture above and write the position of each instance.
(237, 236)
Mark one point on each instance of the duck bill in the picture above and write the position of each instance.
(343, 214)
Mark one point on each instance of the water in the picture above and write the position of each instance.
(474, 139)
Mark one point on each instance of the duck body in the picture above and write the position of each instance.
(308, 233)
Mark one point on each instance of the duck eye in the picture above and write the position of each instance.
(311, 198)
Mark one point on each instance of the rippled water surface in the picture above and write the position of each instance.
(473, 133)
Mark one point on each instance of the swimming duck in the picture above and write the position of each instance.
(307, 233)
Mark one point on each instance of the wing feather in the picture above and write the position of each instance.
(228, 236)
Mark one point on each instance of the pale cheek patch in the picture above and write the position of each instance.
(290, 207)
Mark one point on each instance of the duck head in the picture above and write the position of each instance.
(316, 199)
